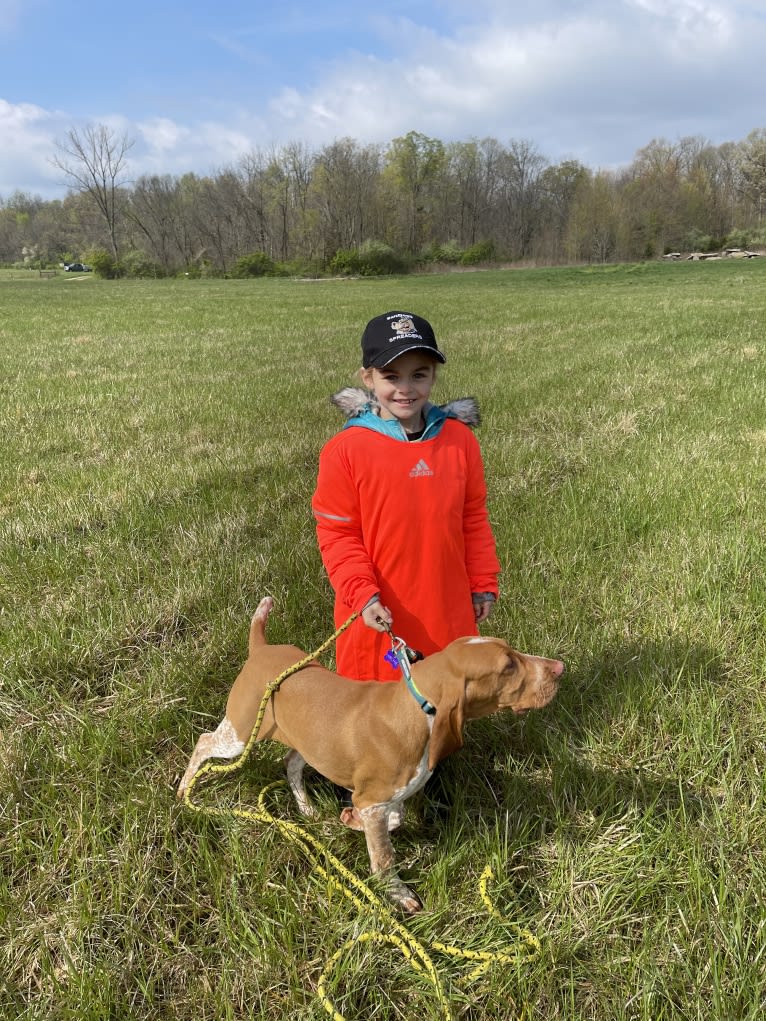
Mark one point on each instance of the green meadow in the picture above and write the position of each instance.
(159, 451)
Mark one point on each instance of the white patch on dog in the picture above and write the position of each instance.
(222, 743)
(478, 641)
(422, 773)
(225, 742)
(294, 764)
(264, 609)
(394, 809)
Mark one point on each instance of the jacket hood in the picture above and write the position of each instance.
(355, 401)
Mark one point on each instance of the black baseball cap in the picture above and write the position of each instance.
(395, 333)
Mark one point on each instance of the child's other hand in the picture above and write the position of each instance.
(482, 609)
(376, 612)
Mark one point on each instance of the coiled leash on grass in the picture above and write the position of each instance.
(342, 879)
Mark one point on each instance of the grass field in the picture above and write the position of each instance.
(159, 452)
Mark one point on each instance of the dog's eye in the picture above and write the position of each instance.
(510, 666)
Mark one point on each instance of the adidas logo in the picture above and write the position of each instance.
(420, 469)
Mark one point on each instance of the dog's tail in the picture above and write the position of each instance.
(258, 623)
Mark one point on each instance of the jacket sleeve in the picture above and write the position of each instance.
(339, 530)
(480, 554)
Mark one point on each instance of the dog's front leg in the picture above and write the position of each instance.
(381, 851)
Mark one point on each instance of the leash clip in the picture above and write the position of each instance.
(399, 650)
(401, 655)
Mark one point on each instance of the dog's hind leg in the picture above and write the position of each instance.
(222, 743)
(294, 765)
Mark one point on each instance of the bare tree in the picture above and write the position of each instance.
(752, 167)
(95, 161)
(344, 189)
(464, 165)
(154, 206)
(521, 193)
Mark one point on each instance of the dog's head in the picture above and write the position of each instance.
(477, 677)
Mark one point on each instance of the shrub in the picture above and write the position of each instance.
(450, 252)
(103, 264)
(291, 269)
(482, 251)
(138, 264)
(696, 241)
(379, 259)
(345, 263)
(371, 259)
(739, 239)
(257, 264)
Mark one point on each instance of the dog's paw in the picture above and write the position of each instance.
(405, 899)
(184, 783)
(350, 817)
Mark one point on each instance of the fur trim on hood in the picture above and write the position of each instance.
(354, 400)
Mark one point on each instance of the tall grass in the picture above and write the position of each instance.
(159, 451)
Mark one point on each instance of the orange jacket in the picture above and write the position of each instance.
(407, 520)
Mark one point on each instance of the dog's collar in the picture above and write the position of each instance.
(428, 708)
(399, 652)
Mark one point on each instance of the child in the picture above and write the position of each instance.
(400, 506)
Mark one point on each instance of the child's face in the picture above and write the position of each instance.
(403, 387)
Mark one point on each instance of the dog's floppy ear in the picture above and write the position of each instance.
(447, 732)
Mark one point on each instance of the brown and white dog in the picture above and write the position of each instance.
(373, 739)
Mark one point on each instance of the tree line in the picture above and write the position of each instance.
(353, 208)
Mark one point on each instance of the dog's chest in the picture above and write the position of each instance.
(422, 773)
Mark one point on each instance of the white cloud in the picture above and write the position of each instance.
(14, 117)
(162, 134)
(594, 80)
(26, 142)
(591, 79)
(167, 147)
(489, 80)
(690, 25)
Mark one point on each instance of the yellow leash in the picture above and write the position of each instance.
(358, 892)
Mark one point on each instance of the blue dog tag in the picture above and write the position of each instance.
(392, 658)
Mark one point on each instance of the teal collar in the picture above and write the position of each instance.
(422, 701)
(399, 648)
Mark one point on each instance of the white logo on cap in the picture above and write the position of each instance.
(403, 327)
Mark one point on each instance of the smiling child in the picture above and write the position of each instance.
(401, 505)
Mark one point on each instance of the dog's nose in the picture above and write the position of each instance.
(558, 668)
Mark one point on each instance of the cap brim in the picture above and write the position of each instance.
(390, 356)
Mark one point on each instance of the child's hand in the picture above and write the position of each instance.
(482, 609)
(376, 613)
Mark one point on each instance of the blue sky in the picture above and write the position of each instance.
(199, 85)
